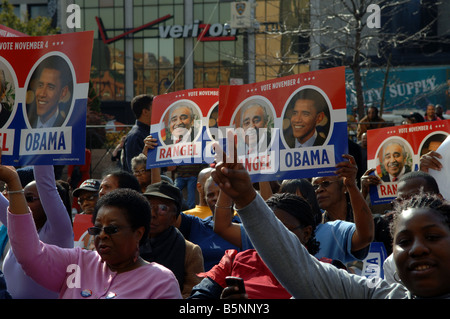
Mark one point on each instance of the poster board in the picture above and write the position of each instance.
(395, 151)
(185, 126)
(47, 82)
(294, 107)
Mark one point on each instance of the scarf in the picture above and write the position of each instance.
(167, 249)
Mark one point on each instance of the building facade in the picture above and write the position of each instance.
(162, 46)
(158, 46)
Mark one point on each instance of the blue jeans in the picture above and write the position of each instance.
(191, 184)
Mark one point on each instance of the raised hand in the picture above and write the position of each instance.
(347, 170)
(231, 175)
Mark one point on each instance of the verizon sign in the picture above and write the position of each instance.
(201, 31)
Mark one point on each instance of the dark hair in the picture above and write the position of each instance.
(55, 62)
(422, 200)
(140, 102)
(64, 192)
(305, 187)
(125, 179)
(430, 182)
(134, 206)
(301, 210)
(320, 103)
(373, 108)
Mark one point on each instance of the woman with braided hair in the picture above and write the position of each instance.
(421, 247)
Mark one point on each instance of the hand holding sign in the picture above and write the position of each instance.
(367, 180)
(430, 160)
(149, 144)
(347, 170)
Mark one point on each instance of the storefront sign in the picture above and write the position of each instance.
(201, 31)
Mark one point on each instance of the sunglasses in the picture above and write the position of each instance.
(324, 184)
(109, 230)
(31, 198)
(81, 200)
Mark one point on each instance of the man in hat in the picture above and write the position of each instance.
(87, 195)
(413, 118)
(165, 244)
(201, 231)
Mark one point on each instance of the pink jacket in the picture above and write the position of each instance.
(80, 274)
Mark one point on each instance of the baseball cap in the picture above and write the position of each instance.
(419, 118)
(166, 190)
(92, 185)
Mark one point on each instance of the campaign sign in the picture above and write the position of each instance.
(44, 84)
(373, 263)
(8, 32)
(289, 127)
(81, 223)
(395, 151)
(185, 126)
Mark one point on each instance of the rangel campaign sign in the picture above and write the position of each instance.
(43, 113)
(185, 125)
(289, 127)
(395, 151)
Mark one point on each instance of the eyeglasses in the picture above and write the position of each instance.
(139, 172)
(160, 209)
(31, 198)
(109, 230)
(324, 184)
(81, 200)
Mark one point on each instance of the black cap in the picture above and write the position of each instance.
(166, 190)
(92, 185)
(419, 118)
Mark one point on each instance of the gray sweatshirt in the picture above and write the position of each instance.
(300, 273)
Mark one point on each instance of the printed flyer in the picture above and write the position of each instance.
(395, 151)
(289, 127)
(44, 86)
(185, 125)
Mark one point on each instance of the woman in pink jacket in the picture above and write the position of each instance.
(50, 205)
(115, 270)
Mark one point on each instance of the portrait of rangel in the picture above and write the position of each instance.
(395, 157)
(7, 94)
(182, 122)
(306, 120)
(256, 119)
(50, 93)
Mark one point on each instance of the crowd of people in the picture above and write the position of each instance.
(295, 238)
